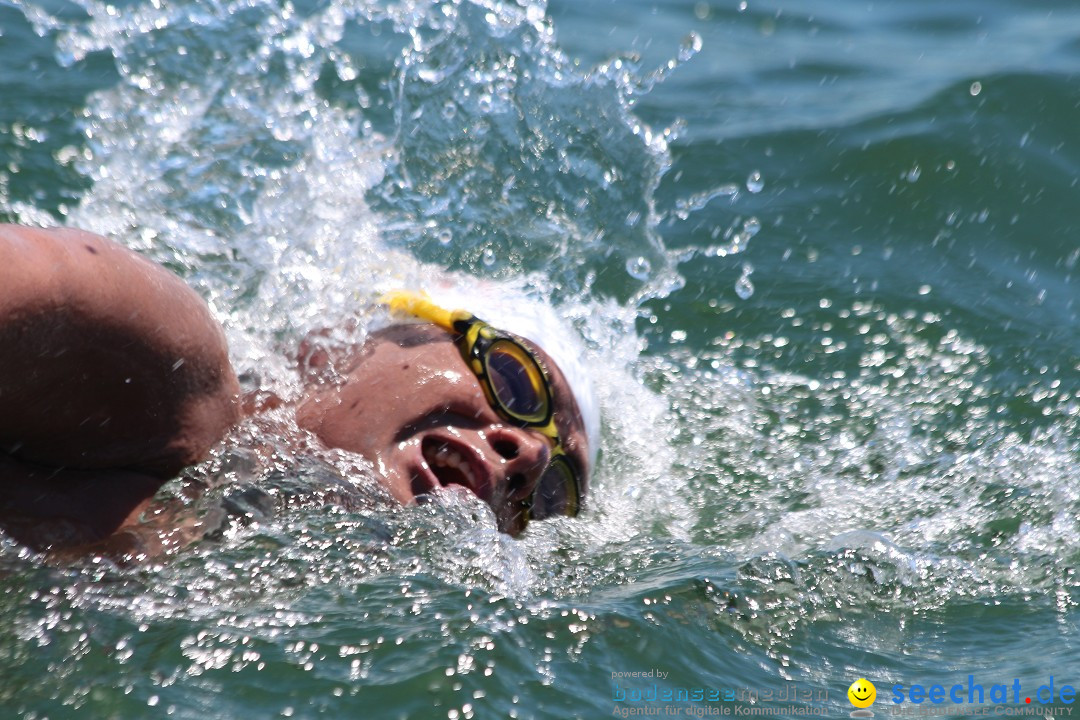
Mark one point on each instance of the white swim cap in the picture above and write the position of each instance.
(516, 312)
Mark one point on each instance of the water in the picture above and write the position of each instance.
(862, 461)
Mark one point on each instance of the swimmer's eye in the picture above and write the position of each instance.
(518, 384)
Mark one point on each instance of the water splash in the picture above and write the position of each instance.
(698, 201)
(755, 183)
(639, 268)
(486, 99)
(790, 459)
(744, 288)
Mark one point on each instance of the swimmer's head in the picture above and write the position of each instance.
(453, 401)
(528, 319)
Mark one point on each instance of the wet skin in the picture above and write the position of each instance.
(114, 376)
(107, 360)
(411, 406)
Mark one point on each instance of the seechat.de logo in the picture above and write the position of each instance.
(862, 694)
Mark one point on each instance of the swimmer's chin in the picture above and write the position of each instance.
(412, 482)
(453, 494)
(447, 494)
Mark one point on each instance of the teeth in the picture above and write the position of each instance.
(445, 457)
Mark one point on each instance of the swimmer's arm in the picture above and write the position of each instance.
(107, 360)
(69, 514)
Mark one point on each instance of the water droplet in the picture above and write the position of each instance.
(449, 110)
(66, 59)
(924, 289)
(488, 257)
(446, 236)
(639, 268)
(430, 75)
(742, 6)
(751, 227)
(913, 174)
(689, 47)
(346, 71)
(701, 11)
(743, 287)
(675, 130)
(975, 89)
(754, 183)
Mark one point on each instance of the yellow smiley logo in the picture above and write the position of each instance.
(862, 693)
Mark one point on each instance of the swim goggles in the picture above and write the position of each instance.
(516, 386)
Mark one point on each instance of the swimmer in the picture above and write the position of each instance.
(114, 377)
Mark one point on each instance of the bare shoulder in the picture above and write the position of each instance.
(107, 360)
(89, 275)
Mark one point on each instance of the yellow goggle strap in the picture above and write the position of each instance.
(420, 305)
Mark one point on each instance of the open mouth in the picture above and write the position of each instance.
(452, 465)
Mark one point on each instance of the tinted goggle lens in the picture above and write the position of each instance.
(520, 387)
(517, 382)
(558, 492)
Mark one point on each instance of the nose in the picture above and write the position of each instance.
(525, 454)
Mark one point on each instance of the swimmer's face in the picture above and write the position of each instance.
(412, 407)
